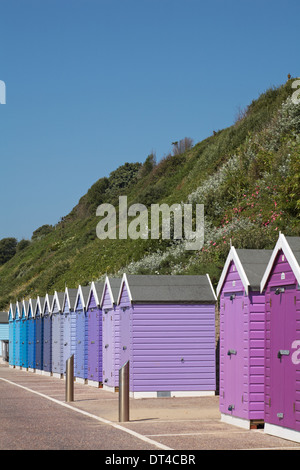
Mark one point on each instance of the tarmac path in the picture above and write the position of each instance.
(35, 416)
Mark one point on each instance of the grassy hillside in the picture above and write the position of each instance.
(247, 176)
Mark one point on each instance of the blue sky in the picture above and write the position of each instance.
(92, 84)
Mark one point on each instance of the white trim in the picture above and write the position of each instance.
(177, 394)
(80, 295)
(124, 279)
(25, 309)
(38, 303)
(80, 380)
(47, 302)
(33, 310)
(93, 288)
(66, 295)
(93, 383)
(284, 433)
(107, 284)
(235, 421)
(12, 310)
(109, 388)
(55, 298)
(46, 372)
(233, 256)
(283, 245)
(211, 286)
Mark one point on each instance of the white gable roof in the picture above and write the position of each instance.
(292, 256)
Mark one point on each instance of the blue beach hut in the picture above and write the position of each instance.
(31, 334)
(68, 326)
(57, 334)
(24, 335)
(81, 350)
(12, 334)
(46, 304)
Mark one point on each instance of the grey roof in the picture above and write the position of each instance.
(170, 288)
(60, 296)
(294, 243)
(254, 263)
(99, 286)
(115, 284)
(3, 317)
(50, 297)
(85, 293)
(72, 296)
(26, 304)
(33, 303)
(42, 301)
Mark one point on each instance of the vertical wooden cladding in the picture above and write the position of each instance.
(18, 315)
(47, 337)
(31, 334)
(12, 334)
(282, 369)
(57, 333)
(39, 332)
(81, 349)
(170, 343)
(242, 335)
(69, 326)
(110, 332)
(94, 313)
(24, 336)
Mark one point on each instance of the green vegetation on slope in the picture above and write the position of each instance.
(247, 177)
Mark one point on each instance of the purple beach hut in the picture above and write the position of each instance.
(281, 284)
(242, 336)
(167, 333)
(94, 313)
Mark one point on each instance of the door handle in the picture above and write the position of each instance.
(231, 351)
(283, 352)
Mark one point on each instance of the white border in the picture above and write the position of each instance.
(178, 394)
(284, 433)
(235, 421)
(283, 245)
(124, 279)
(232, 256)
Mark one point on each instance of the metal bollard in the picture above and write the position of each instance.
(124, 393)
(70, 379)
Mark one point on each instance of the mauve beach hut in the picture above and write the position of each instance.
(69, 326)
(12, 334)
(46, 305)
(281, 284)
(57, 334)
(242, 335)
(110, 333)
(167, 333)
(94, 313)
(81, 350)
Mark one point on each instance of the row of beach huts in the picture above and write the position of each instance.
(165, 326)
